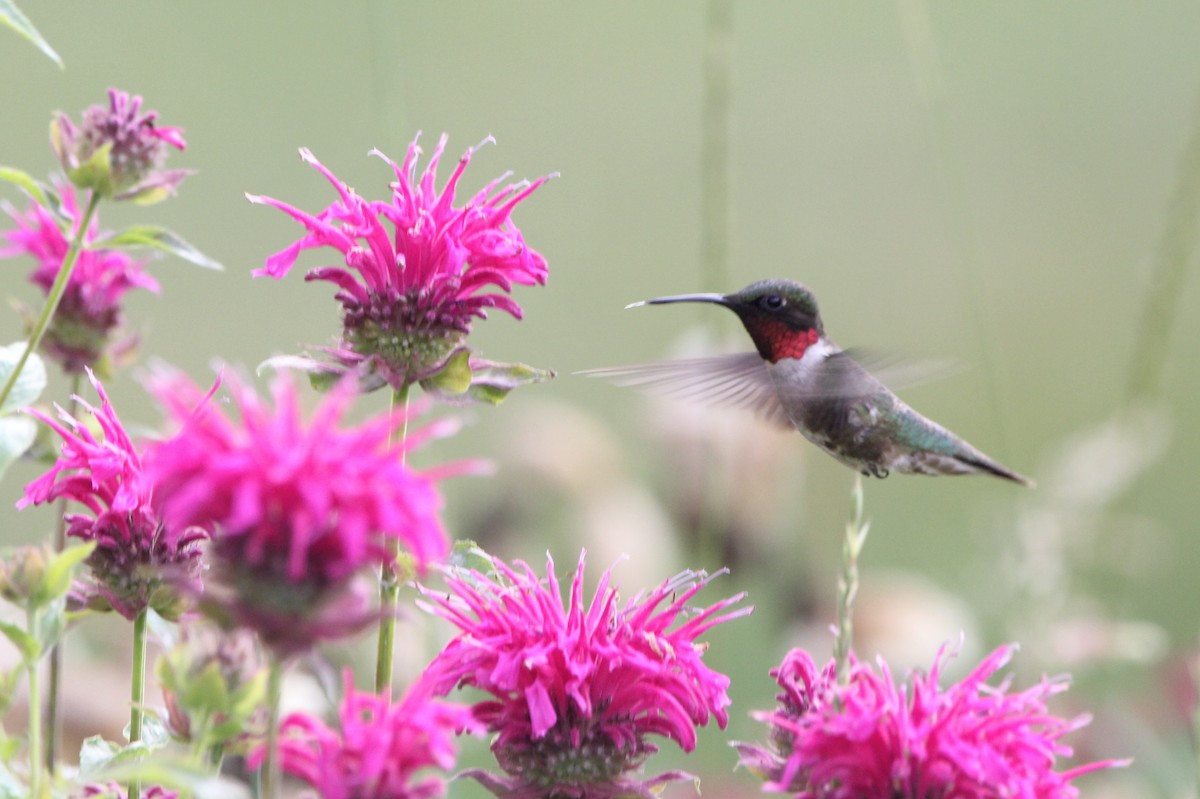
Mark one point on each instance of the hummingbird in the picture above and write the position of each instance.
(797, 378)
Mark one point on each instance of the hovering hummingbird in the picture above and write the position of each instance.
(799, 379)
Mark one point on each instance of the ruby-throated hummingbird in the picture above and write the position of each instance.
(800, 379)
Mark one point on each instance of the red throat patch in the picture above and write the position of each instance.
(782, 341)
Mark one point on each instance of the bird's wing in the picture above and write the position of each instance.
(738, 381)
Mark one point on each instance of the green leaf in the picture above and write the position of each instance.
(52, 623)
(159, 238)
(61, 569)
(96, 172)
(491, 382)
(8, 687)
(464, 380)
(25, 181)
(17, 435)
(99, 758)
(154, 732)
(95, 754)
(25, 643)
(453, 378)
(466, 554)
(30, 383)
(320, 375)
(14, 18)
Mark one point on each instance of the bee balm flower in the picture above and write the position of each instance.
(416, 271)
(89, 314)
(140, 560)
(297, 508)
(119, 151)
(578, 689)
(874, 739)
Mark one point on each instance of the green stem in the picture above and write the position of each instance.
(56, 654)
(137, 689)
(389, 580)
(856, 536)
(35, 715)
(55, 295)
(270, 775)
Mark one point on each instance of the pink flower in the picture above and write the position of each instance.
(382, 749)
(578, 688)
(873, 739)
(139, 561)
(297, 508)
(118, 151)
(416, 269)
(90, 311)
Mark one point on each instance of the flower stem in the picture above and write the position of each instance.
(389, 580)
(35, 714)
(270, 774)
(137, 689)
(55, 295)
(56, 654)
(856, 536)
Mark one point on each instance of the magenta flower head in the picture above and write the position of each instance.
(139, 561)
(381, 749)
(873, 739)
(297, 508)
(417, 270)
(577, 689)
(119, 151)
(85, 325)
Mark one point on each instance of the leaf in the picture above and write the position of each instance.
(25, 643)
(52, 623)
(30, 383)
(468, 555)
(14, 18)
(159, 238)
(25, 181)
(453, 378)
(489, 381)
(99, 758)
(154, 732)
(95, 754)
(17, 435)
(96, 172)
(61, 569)
(320, 375)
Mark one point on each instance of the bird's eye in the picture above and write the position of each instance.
(773, 301)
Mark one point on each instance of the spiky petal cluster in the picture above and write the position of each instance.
(874, 739)
(139, 560)
(118, 151)
(417, 270)
(578, 688)
(381, 749)
(297, 508)
(89, 313)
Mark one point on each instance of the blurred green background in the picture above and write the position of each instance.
(1012, 185)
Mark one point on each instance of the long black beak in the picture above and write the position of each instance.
(718, 299)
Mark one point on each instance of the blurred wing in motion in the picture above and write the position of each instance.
(734, 381)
